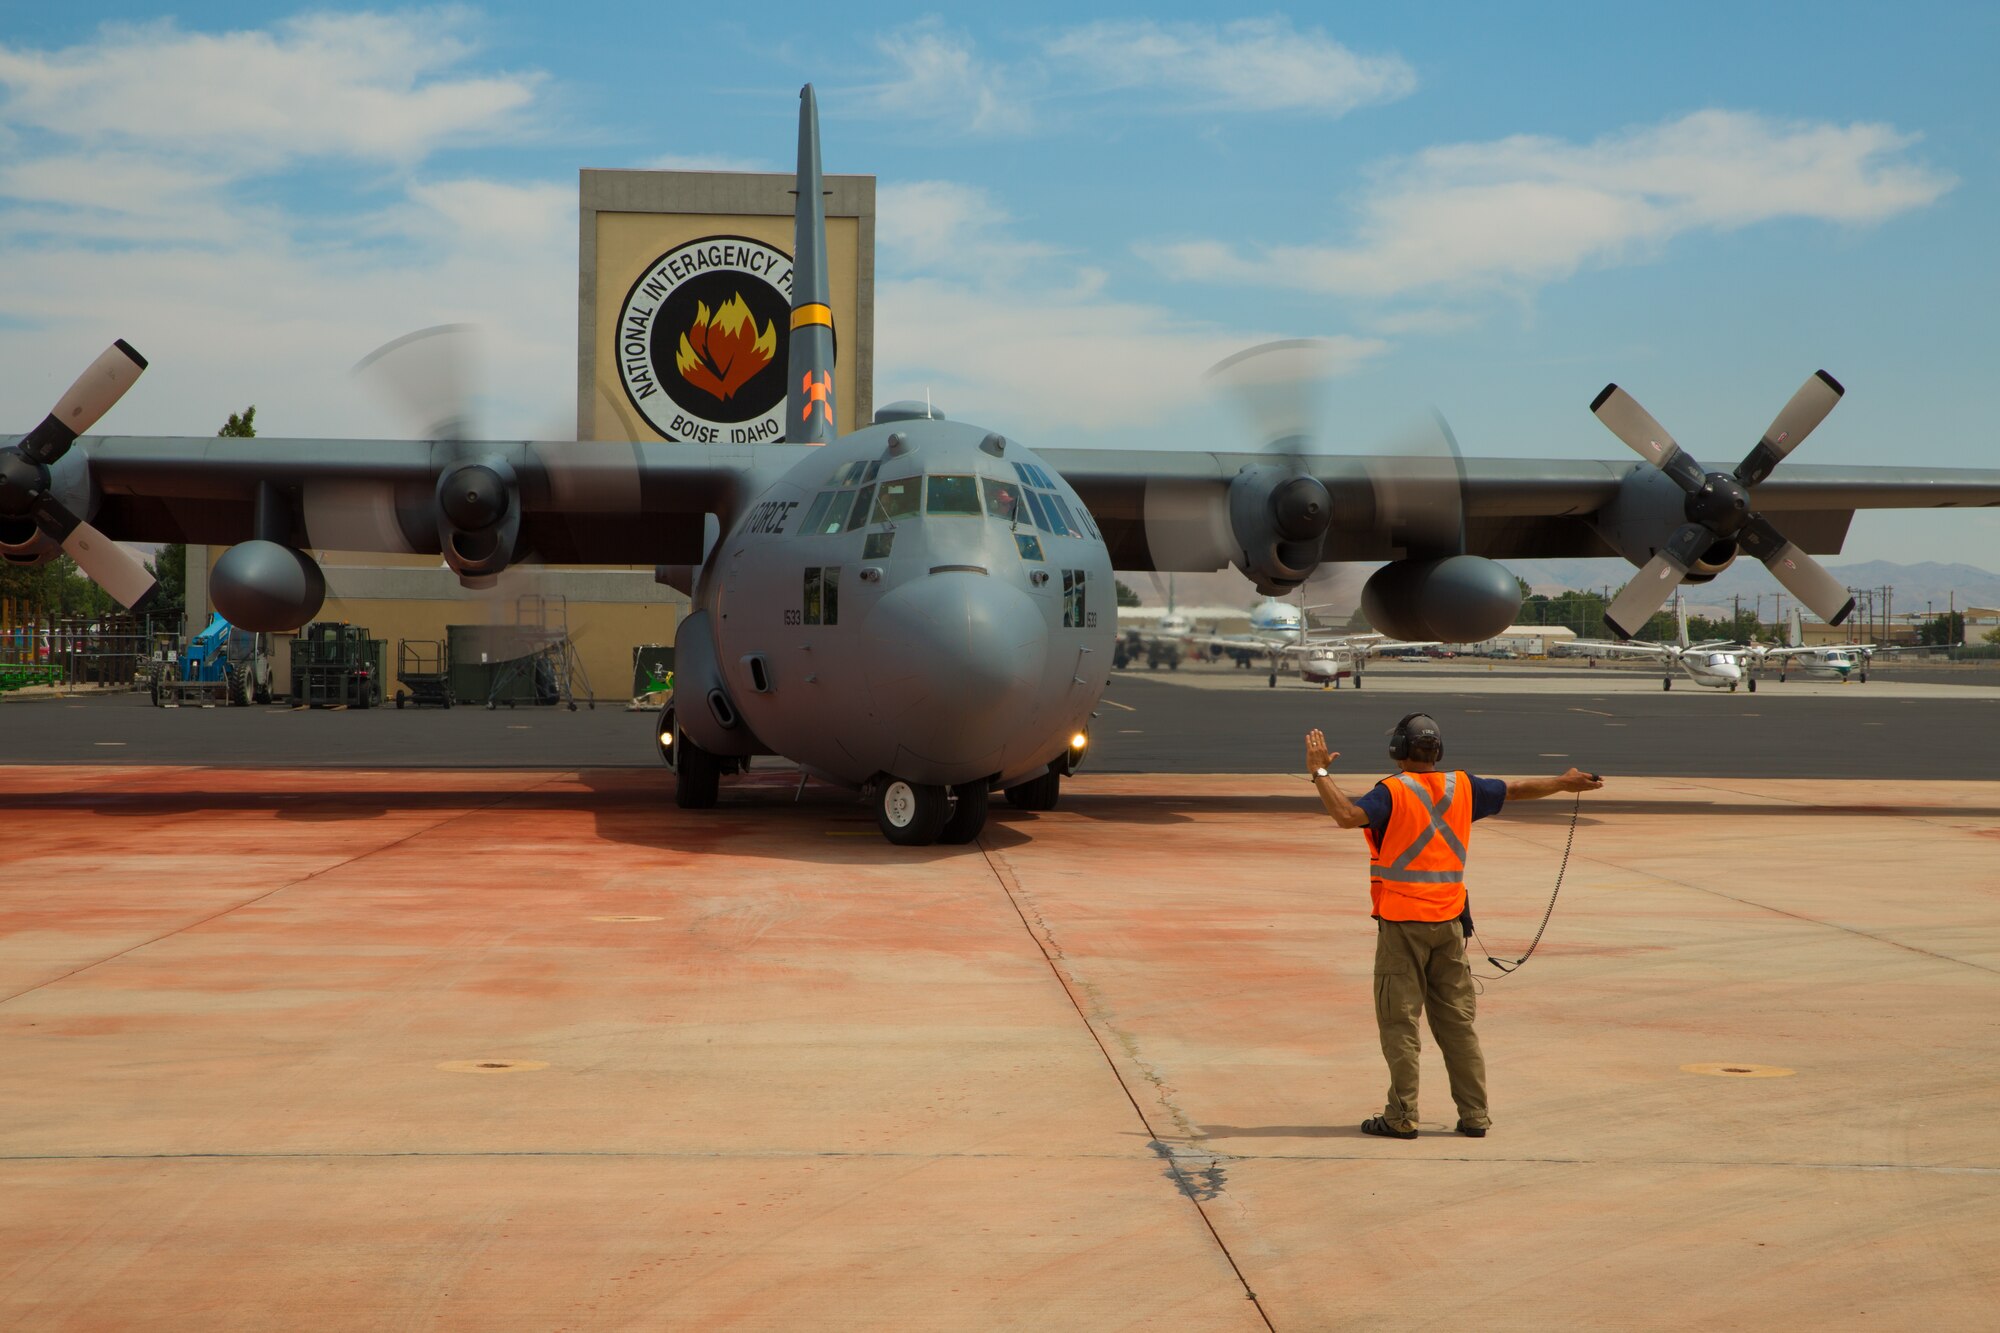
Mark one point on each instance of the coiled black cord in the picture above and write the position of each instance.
(1506, 967)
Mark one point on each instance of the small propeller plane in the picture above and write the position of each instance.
(1841, 662)
(1715, 663)
(921, 610)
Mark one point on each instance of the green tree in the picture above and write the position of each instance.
(1126, 597)
(1944, 629)
(1992, 635)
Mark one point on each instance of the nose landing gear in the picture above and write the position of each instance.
(917, 814)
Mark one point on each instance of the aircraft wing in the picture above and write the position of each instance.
(1601, 647)
(1160, 510)
(581, 502)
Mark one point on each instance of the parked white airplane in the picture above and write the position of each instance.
(1837, 662)
(1715, 663)
(1280, 632)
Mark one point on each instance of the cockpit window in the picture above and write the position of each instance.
(817, 512)
(835, 517)
(858, 516)
(953, 495)
(878, 545)
(1038, 507)
(1003, 499)
(1062, 512)
(897, 499)
(1030, 545)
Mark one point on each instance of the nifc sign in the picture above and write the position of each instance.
(701, 341)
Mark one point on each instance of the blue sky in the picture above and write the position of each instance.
(1490, 209)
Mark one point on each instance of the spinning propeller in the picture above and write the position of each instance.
(28, 487)
(1718, 506)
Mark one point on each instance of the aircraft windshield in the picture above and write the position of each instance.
(953, 495)
(1003, 501)
(898, 499)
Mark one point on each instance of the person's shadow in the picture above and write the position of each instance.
(1281, 1131)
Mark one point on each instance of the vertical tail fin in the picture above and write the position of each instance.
(1681, 619)
(809, 404)
(1795, 634)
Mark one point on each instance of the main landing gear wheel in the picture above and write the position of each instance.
(1273, 681)
(911, 814)
(968, 814)
(1666, 682)
(1037, 793)
(1753, 687)
(697, 775)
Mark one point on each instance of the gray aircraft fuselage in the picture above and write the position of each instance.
(919, 600)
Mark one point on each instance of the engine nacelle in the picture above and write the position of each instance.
(478, 518)
(1648, 509)
(263, 586)
(1279, 520)
(1460, 599)
(24, 545)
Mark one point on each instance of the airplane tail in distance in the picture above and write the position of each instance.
(1681, 619)
(1795, 630)
(809, 403)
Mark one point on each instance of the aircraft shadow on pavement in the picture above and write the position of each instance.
(767, 816)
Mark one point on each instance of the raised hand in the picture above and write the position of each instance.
(1317, 755)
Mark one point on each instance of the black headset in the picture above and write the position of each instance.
(1417, 731)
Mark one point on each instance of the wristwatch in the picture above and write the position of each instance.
(1321, 773)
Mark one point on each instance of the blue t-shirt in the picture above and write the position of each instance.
(1488, 795)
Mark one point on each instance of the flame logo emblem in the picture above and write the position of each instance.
(722, 352)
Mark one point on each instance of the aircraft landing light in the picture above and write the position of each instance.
(1078, 741)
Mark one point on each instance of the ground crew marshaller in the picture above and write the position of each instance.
(1419, 825)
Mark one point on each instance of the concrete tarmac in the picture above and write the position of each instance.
(364, 1049)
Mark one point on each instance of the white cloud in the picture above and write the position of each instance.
(361, 86)
(933, 226)
(1250, 65)
(1006, 331)
(937, 76)
(1516, 213)
(137, 200)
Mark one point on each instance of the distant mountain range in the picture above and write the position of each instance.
(1914, 585)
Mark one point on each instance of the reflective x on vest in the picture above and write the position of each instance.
(1419, 870)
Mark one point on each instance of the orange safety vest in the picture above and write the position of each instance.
(1417, 873)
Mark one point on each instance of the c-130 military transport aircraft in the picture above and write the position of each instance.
(922, 610)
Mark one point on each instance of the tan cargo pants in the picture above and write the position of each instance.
(1419, 965)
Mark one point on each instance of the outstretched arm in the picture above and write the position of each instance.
(1533, 789)
(1345, 812)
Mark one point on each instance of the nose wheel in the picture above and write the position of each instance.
(911, 814)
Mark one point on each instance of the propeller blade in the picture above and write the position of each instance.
(1819, 395)
(428, 376)
(1804, 577)
(110, 565)
(1650, 587)
(1622, 416)
(95, 392)
(1419, 490)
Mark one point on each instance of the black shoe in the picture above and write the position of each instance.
(1380, 1127)
(1471, 1131)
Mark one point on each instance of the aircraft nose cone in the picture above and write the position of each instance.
(956, 660)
